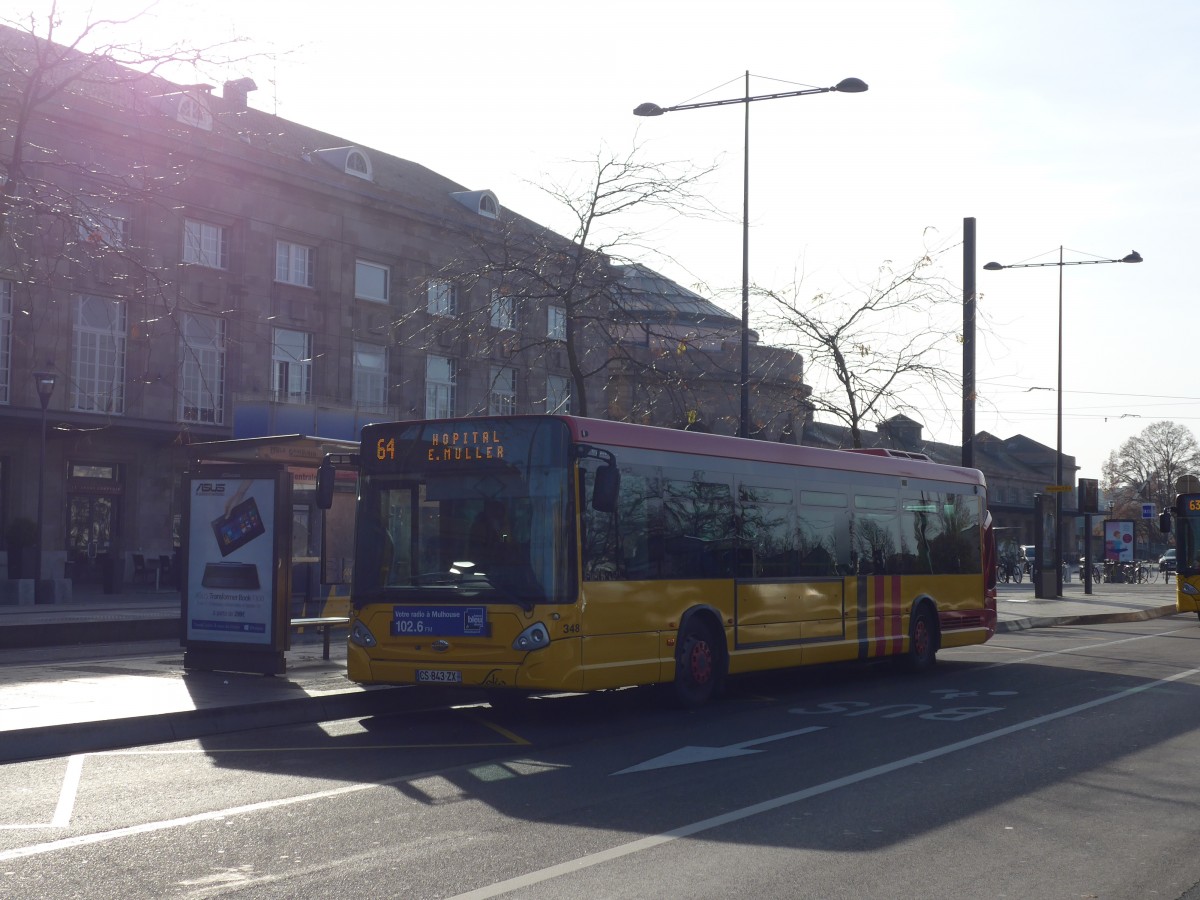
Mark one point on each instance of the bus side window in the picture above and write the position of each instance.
(699, 539)
(623, 544)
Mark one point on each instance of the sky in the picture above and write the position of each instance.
(1052, 123)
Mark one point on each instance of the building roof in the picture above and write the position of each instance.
(644, 290)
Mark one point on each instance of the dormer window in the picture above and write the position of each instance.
(482, 202)
(350, 160)
(356, 164)
(189, 107)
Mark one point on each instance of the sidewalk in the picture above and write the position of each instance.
(106, 671)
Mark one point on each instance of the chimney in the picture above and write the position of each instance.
(235, 92)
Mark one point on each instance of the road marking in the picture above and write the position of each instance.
(66, 798)
(687, 755)
(651, 841)
(584, 862)
(1044, 653)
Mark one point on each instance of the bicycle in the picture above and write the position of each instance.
(1008, 572)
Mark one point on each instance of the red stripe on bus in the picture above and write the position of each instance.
(897, 642)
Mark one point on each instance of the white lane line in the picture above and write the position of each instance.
(101, 837)
(646, 843)
(1044, 653)
(66, 799)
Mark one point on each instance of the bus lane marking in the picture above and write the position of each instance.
(687, 755)
(66, 798)
(649, 842)
(583, 862)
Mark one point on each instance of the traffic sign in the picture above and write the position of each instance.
(1058, 489)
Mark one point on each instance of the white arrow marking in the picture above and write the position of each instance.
(687, 755)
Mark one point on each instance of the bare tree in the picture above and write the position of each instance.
(66, 202)
(576, 279)
(871, 348)
(1144, 469)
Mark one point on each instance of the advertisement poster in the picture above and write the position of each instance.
(1118, 540)
(230, 563)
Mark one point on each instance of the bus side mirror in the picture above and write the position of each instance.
(1164, 522)
(606, 488)
(325, 479)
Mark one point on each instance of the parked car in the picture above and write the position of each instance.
(1166, 562)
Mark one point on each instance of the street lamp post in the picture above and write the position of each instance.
(1133, 257)
(45, 388)
(845, 86)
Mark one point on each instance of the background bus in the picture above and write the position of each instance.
(1185, 521)
(554, 553)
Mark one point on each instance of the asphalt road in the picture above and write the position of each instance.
(1051, 763)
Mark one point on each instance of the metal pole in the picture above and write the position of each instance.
(1058, 458)
(968, 388)
(744, 371)
(37, 565)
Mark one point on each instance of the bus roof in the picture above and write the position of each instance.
(624, 434)
(651, 437)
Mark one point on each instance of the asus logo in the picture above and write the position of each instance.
(204, 489)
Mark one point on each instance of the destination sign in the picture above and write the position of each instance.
(463, 445)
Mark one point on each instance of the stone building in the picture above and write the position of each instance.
(189, 269)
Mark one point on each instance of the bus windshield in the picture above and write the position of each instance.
(477, 509)
(1187, 535)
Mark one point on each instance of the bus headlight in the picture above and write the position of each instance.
(535, 637)
(360, 634)
(1186, 587)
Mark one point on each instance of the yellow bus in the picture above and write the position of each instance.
(1186, 524)
(557, 553)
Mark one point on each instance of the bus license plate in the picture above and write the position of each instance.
(440, 676)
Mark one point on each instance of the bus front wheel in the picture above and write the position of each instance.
(697, 665)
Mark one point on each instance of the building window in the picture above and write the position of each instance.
(104, 228)
(294, 264)
(502, 398)
(202, 370)
(357, 165)
(6, 323)
(556, 323)
(443, 298)
(370, 375)
(441, 377)
(370, 281)
(558, 395)
(503, 311)
(98, 377)
(205, 244)
(291, 366)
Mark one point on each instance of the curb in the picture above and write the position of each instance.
(1028, 622)
(115, 734)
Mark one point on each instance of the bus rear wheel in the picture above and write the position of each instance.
(697, 665)
(922, 641)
